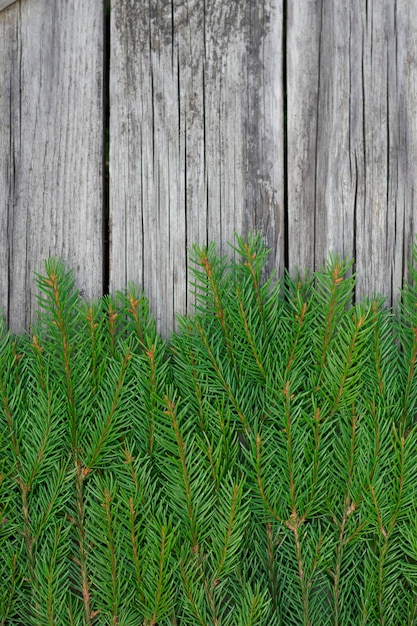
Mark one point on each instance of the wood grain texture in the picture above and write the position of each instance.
(197, 134)
(51, 147)
(5, 3)
(196, 129)
(351, 71)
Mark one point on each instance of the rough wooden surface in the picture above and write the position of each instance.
(5, 3)
(352, 115)
(197, 137)
(204, 98)
(51, 147)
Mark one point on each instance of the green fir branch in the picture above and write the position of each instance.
(257, 468)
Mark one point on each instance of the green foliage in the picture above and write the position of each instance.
(259, 468)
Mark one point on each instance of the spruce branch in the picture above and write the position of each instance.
(258, 468)
(222, 379)
(250, 337)
(213, 269)
(333, 292)
(59, 298)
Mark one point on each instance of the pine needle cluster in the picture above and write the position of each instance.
(257, 469)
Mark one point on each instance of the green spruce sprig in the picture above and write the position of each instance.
(258, 468)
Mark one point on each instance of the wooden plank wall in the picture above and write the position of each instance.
(5, 3)
(297, 119)
(51, 147)
(196, 105)
(352, 115)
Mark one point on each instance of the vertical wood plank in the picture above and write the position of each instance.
(403, 125)
(380, 176)
(321, 190)
(51, 162)
(8, 89)
(351, 147)
(5, 3)
(196, 138)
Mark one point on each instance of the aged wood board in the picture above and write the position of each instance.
(5, 3)
(51, 147)
(352, 142)
(295, 119)
(196, 128)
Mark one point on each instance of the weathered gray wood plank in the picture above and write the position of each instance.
(5, 3)
(196, 130)
(51, 147)
(351, 137)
